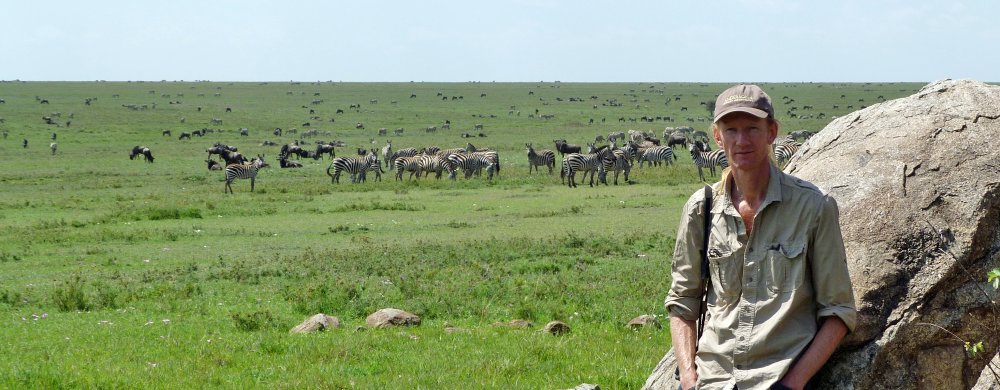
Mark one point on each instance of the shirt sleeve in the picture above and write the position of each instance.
(684, 298)
(831, 279)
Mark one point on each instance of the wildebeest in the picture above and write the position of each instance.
(565, 148)
(804, 134)
(677, 139)
(166, 133)
(284, 163)
(228, 153)
(213, 165)
(53, 147)
(184, 135)
(137, 150)
(324, 149)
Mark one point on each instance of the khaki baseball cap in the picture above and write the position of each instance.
(746, 98)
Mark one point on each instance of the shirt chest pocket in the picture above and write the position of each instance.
(725, 268)
(785, 267)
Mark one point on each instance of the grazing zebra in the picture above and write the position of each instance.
(53, 147)
(783, 151)
(244, 171)
(708, 160)
(576, 162)
(407, 164)
(656, 155)
(355, 166)
(546, 158)
(471, 163)
(617, 161)
(493, 157)
(387, 152)
(616, 135)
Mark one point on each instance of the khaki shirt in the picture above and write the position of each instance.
(769, 289)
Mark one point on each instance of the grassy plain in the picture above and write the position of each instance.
(118, 273)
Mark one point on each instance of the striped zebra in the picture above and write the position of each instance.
(784, 149)
(471, 163)
(387, 152)
(432, 164)
(616, 162)
(708, 160)
(546, 158)
(657, 155)
(405, 152)
(244, 171)
(407, 164)
(355, 166)
(374, 166)
(576, 162)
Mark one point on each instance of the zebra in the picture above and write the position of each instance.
(405, 152)
(53, 147)
(355, 166)
(387, 152)
(784, 150)
(411, 164)
(616, 135)
(708, 160)
(374, 166)
(616, 161)
(244, 171)
(576, 162)
(432, 163)
(658, 154)
(471, 163)
(493, 157)
(546, 158)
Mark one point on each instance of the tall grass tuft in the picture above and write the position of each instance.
(70, 296)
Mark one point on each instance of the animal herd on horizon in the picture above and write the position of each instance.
(617, 154)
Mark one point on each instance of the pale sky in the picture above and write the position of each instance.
(516, 40)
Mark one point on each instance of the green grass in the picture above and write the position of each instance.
(118, 273)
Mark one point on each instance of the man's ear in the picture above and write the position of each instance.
(772, 130)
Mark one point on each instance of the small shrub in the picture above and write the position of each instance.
(253, 321)
(70, 296)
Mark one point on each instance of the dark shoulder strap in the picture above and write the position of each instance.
(707, 229)
(705, 278)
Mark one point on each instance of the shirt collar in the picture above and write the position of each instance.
(725, 202)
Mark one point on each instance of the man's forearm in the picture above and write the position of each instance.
(684, 337)
(831, 332)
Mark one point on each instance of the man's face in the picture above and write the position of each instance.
(746, 139)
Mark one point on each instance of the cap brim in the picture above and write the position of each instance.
(749, 110)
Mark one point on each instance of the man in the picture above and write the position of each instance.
(780, 299)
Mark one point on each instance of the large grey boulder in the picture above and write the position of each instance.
(390, 317)
(918, 183)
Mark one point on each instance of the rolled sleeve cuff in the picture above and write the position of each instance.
(847, 314)
(683, 307)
